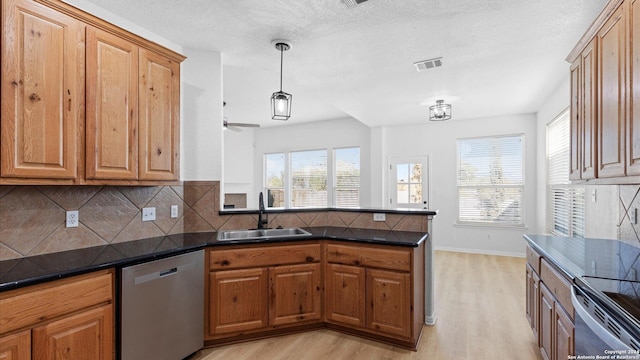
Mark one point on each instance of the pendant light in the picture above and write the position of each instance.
(280, 100)
(440, 111)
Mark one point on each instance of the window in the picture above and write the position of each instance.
(274, 174)
(312, 178)
(347, 177)
(565, 202)
(491, 180)
(309, 178)
(409, 182)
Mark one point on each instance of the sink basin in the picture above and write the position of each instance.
(228, 235)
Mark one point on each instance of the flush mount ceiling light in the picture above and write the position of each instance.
(440, 111)
(281, 101)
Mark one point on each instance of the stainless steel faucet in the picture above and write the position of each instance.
(261, 212)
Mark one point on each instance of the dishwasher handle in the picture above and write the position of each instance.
(168, 272)
(157, 275)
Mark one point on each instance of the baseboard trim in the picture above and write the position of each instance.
(479, 251)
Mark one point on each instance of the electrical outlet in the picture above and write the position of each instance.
(72, 218)
(148, 214)
(379, 217)
(174, 211)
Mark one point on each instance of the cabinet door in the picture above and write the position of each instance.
(564, 331)
(547, 320)
(633, 121)
(42, 91)
(611, 96)
(159, 122)
(112, 107)
(295, 294)
(238, 300)
(87, 335)
(588, 109)
(389, 302)
(16, 346)
(576, 117)
(344, 298)
(532, 304)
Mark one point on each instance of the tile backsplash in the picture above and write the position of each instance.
(32, 218)
(629, 214)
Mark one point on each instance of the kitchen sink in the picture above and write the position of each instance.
(228, 235)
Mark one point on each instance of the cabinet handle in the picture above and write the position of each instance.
(69, 93)
(69, 105)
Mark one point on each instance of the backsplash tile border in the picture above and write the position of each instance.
(32, 218)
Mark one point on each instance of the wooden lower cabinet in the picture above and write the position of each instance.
(87, 335)
(295, 294)
(344, 300)
(265, 288)
(70, 319)
(532, 302)
(552, 324)
(16, 346)
(239, 300)
(374, 291)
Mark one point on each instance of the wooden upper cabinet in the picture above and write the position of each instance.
(588, 109)
(575, 149)
(42, 91)
(633, 118)
(112, 107)
(611, 96)
(159, 123)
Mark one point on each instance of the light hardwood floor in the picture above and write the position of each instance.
(480, 314)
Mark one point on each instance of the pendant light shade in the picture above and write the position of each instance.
(440, 111)
(280, 100)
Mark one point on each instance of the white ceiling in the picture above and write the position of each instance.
(500, 56)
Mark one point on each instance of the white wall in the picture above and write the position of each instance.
(238, 163)
(201, 122)
(438, 140)
(346, 132)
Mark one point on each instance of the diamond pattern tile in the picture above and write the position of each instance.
(68, 239)
(26, 218)
(108, 212)
(70, 197)
(162, 202)
(140, 196)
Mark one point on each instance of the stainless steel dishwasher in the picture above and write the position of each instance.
(162, 308)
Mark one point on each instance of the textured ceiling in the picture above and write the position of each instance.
(500, 56)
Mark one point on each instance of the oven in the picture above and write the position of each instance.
(606, 318)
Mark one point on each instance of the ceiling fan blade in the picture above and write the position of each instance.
(233, 128)
(243, 125)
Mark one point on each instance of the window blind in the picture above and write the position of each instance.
(491, 180)
(565, 202)
(347, 177)
(309, 178)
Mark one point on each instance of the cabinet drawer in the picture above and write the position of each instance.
(557, 284)
(35, 304)
(533, 258)
(392, 259)
(263, 256)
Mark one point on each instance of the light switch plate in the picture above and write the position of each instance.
(174, 211)
(148, 214)
(379, 217)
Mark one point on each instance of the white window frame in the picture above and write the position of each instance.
(288, 175)
(568, 211)
(392, 181)
(492, 223)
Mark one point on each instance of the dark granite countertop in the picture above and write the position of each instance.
(31, 270)
(403, 211)
(576, 257)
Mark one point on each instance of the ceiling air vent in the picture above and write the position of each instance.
(352, 3)
(428, 64)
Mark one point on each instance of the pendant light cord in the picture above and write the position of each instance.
(281, 58)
